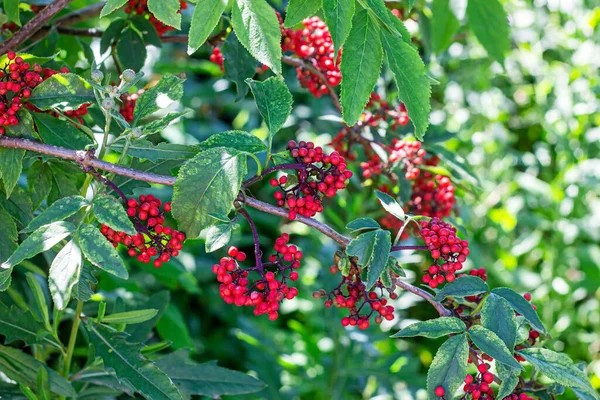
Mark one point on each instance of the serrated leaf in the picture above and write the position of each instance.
(150, 36)
(166, 11)
(389, 20)
(362, 224)
(449, 366)
(372, 249)
(238, 65)
(8, 239)
(522, 306)
(111, 33)
(64, 274)
(11, 9)
(208, 183)
(65, 92)
(217, 236)
(445, 23)
(338, 17)
(493, 346)
(24, 129)
(110, 6)
(274, 102)
(39, 182)
(510, 379)
(11, 165)
(390, 205)
(129, 365)
(207, 14)
(98, 250)
(395, 267)
(207, 379)
(130, 317)
(170, 87)
(239, 140)
(433, 328)
(360, 66)
(83, 287)
(18, 205)
(157, 126)
(147, 150)
(131, 50)
(128, 185)
(257, 28)
(462, 287)
(298, 10)
(109, 211)
(414, 88)
(60, 132)
(16, 324)
(489, 23)
(559, 367)
(498, 316)
(58, 211)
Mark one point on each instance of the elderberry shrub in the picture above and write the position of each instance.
(270, 289)
(318, 175)
(153, 239)
(140, 7)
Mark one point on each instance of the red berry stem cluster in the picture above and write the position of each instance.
(478, 385)
(318, 175)
(127, 106)
(140, 7)
(153, 239)
(217, 57)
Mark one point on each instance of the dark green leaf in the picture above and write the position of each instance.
(389, 20)
(362, 224)
(109, 211)
(239, 140)
(58, 211)
(110, 6)
(522, 306)
(257, 28)
(60, 132)
(131, 50)
(160, 124)
(16, 324)
(445, 23)
(360, 65)
(128, 185)
(11, 9)
(64, 274)
(510, 379)
(239, 65)
(207, 379)
(11, 165)
(208, 183)
(449, 366)
(111, 34)
(99, 251)
(63, 91)
(145, 149)
(414, 88)
(493, 346)
(298, 10)
(498, 316)
(130, 317)
(8, 239)
(433, 328)
(24, 129)
(372, 249)
(129, 365)
(158, 301)
(172, 326)
(170, 87)
(390, 205)
(338, 17)
(217, 236)
(489, 22)
(149, 34)
(166, 11)
(18, 206)
(83, 288)
(462, 287)
(207, 14)
(274, 102)
(39, 182)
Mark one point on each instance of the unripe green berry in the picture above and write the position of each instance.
(108, 104)
(97, 76)
(128, 75)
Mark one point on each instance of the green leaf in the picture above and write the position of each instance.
(172, 326)
(109, 211)
(217, 236)
(433, 328)
(207, 379)
(111, 34)
(98, 250)
(411, 4)
(129, 365)
(493, 346)
(170, 87)
(8, 239)
(166, 11)
(64, 273)
(83, 288)
(145, 149)
(510, 379)
(58, 211)
(360, 65)
(390, 205)
(39, 299)
(11, 9)
(498, 316)
(372, 249)
(207, 14)
(39, 182)
(449, 366)
(274, 102)
(298, 10)
(208, 183)
(28, 58)
(257, 28)
(131, 50)
(25, 127)
(110, 6)
(130, 317)
(63, 91)
(238, 64)
(445, 23)
(462, 287)
(362, 224)
(18, 206)
(239, 140)
(160, 124)
(11, 165)
(16, 324)
(338, 17)
(414, 88)
(150, 36)
(559, 367)
(522, 306)
(489, 23)
(158, 301)
(60, 132)
(24, 368)
(389, 20)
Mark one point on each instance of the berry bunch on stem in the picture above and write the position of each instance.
(127, 106)
(140, 7)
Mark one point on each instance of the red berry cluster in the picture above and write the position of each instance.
(269, 291)
(140, 7)
(478, 386)
(352, 294)
(313, 44)
(406, 154)
(153, 238)
(319, 174)
(432, 194)
(217, 57)
(447, 249)
(518, 396)
(127, 106)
